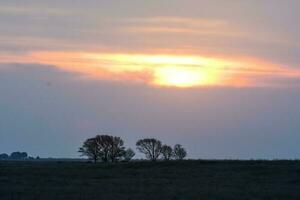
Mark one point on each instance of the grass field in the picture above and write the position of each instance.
(145, 180)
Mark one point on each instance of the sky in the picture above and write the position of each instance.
(220, 77)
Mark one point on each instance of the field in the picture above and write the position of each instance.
(41, 180)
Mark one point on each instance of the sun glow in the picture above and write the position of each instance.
(168, 70)
(183, 77)
(160, 70)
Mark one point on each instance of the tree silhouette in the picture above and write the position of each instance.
(150, 147)
(18, 155)
(167, 152)
(4, 156)
(129, 154)
(103, 147)
(90, 148)
(179, 152)
(116, 150)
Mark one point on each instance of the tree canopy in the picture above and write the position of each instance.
(179, 152)
(167, 152)
(150, 147)
(103, 147)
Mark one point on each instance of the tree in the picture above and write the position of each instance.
(150, 147)
(116, 149)
(4, 156)
(129, 154)
(90, 148)
(103, 147)
(179, 152)
(167, 152)
(18, 155)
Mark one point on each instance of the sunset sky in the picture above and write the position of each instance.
(220, 77)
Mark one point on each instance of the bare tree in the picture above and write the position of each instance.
(90, 148)
(167, 152)
(150, 147)
(129, 154)
(116, 148)
(103, 147)
(179, 152)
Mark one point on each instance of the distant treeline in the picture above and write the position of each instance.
(16, 156)
(107, 148)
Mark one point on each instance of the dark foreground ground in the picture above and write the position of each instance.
(145, 180)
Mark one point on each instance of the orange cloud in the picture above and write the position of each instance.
(179, 25)
(185, 27)
(161, 70)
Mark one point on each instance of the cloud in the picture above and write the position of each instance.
(162, 69)
(27, 38)
(186, 21)
(184, 26)
(177, 25)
